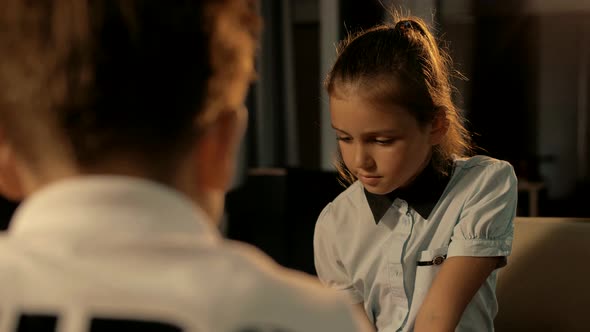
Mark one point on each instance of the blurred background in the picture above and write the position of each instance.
(526, 98)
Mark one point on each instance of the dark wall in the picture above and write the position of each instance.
(503, 105)
(307, 84)
(357, 15)
(277, 213)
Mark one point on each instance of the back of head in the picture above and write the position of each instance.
(97, 80)
(402, 64)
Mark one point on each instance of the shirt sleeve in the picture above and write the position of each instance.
(485, 227)
(328, 265)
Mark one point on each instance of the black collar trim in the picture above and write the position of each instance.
(422, 194)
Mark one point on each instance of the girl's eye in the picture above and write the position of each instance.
(343, 138)
(384, 141)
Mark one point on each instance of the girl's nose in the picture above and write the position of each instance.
(362, 158)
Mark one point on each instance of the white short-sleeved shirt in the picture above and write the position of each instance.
(123, 254)
(386, 257)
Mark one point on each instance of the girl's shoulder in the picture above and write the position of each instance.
(481, 167)
(351, 194)
(345, 204)
(479, 161)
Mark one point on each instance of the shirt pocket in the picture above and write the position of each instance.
(428, 265)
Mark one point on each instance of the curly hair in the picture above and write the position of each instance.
(105, 78)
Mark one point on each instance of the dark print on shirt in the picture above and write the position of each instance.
(263, 329)
(49, 323)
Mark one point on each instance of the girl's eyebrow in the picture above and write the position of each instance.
(383, 132)
(340, 130)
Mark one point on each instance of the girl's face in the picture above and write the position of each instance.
(383, 145)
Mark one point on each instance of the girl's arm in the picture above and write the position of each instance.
(361, 316)
(453, 288)
(480, 241)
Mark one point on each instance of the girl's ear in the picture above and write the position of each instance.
(10, 182)
(440, 126)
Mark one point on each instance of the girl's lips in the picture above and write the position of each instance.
(370, 180)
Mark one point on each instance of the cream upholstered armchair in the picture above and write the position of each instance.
(546, 284)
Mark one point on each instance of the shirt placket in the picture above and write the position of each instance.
(400, 237)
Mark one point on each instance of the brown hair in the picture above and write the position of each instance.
(111, 78)
(412, 71)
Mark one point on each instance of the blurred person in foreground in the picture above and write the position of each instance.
(119, 127)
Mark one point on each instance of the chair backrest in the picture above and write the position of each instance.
(546, 284)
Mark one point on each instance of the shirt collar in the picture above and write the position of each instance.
(422, 194)
(107, 207)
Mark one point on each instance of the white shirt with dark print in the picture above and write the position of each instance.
(385, 250)
(123, 254)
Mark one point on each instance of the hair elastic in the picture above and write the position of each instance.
(405, 25)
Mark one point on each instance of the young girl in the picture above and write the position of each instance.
(417, 238)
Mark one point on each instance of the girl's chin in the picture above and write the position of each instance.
(378, 190)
